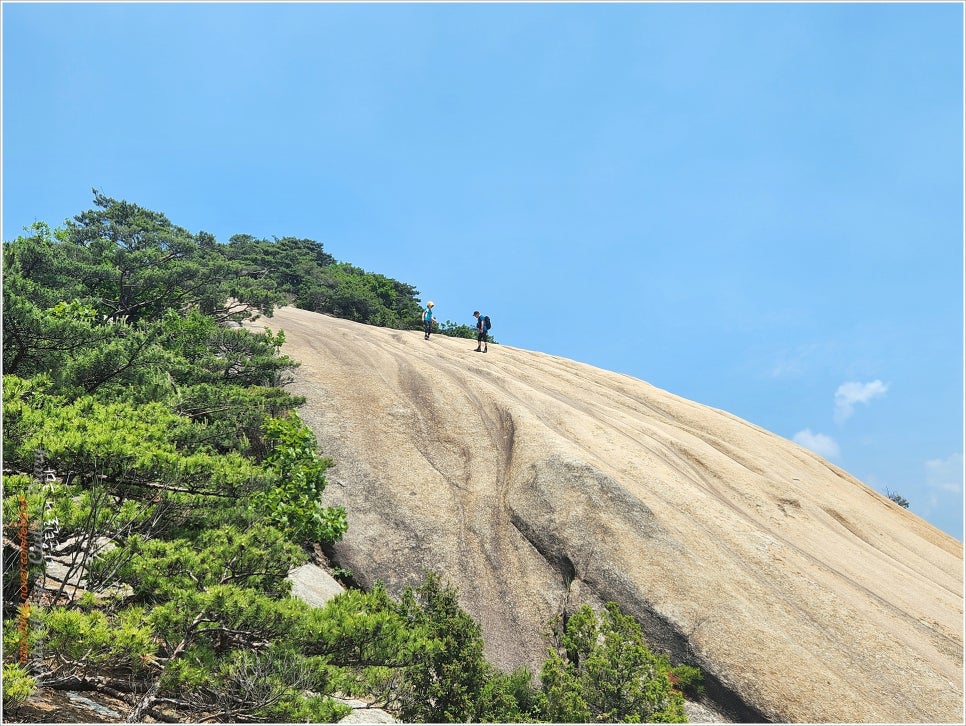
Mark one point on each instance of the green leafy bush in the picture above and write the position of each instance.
(87, 642)
(312, 279)
(449, 670)
(607, 673)
(510, 698)
(293, 499)
(457, 330)
(898, 498)
(18, 685)
(689, 680)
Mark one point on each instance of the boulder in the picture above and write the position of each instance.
(362, 712)
(313, 584)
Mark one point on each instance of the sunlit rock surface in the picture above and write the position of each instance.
(537, 484)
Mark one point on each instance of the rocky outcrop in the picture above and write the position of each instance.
(537, 484)
(362, 713)
(313, 584)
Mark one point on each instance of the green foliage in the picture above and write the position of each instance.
(244, 359)
(510, 698)
(120, 366)
(38, 339)
(897, 498)
(229, 418)
(449, 671)
(219, 603)
(15, 486)
(421, 656)
(304, 708)
(18, 685)
(689, 680)
(350, 292)
(457, 330)
(293, 500)
(273, 685)
(256, 557)
(358, 629)
(124, 444)
(313, 280)
(292, 264)
(91, 641)
(607, 673)
(40, 281)
(200, 350)
(12, 634)
(141, 265)
(84, 302)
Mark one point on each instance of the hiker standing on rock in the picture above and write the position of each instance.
(482, 327)
(428, 318)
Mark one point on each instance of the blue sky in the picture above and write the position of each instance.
(757, 206)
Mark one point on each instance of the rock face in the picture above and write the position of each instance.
(537, 484)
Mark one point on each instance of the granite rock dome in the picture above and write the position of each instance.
(537, 484)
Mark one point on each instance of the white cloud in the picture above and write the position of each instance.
(945, 475)
(819, 443)
(794, 362)
(941, 500)
(788, 364)
(853, 392)
(787, 368)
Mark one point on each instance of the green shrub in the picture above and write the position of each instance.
(305, 709)
(607, 673)
(17, 685)
(93, 640)
(293, 501)
(448, 669)
(457, 330)
(689, 680)
(510, 698)
(897, 498)
(460, 330)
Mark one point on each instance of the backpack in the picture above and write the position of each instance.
(486, 322)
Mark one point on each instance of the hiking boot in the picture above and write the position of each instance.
(477, 350)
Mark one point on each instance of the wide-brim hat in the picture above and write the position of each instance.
(430, 304)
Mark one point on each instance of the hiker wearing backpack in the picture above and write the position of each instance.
(482, 328)
(428, 318)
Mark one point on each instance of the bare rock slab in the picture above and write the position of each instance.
(537, 484)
